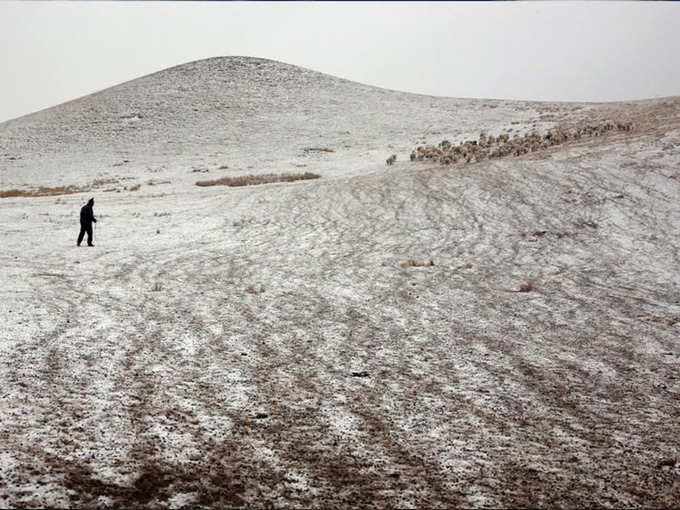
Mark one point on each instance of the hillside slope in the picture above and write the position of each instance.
(244, 113)
(290, 354)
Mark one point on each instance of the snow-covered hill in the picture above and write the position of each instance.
(244, 113)
(292, 356)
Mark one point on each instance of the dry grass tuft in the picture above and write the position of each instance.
(527, 286)
(135, 187)
(45, 191)
(255, 289)
(250, 180)
(157, 287)
(419, 263)
(41, 192)
(318, 149)
(98, 183)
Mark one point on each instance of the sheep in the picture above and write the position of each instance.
(391, 159)
(481, 155)
(503, 145)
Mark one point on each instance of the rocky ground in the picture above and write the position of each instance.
(272, 344)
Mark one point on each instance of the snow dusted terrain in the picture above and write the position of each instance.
(291, 356)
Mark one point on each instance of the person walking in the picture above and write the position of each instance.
(86, 220)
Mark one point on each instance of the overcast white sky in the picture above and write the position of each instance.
(51, 52)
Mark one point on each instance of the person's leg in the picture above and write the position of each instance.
(89, 235)
(81, 235)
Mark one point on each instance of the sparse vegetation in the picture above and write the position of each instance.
(318, 149)
(41, 192)
(46, 191)
(527, 286)
(157, 287)
(255, 289)
(98, 183)
(250, 180)
(669, 320)
(135, 187)
(419, 263)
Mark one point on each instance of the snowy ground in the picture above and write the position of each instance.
(352, 379)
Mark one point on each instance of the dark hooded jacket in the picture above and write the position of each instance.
(87, 214)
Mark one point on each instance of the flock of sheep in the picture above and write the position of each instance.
(489, 147)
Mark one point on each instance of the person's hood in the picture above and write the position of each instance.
(90, 202)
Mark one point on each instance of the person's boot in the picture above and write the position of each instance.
(91, 245)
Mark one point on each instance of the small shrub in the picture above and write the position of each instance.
(419, 263)
(135, 187)
(255, 289)
(527, 286)
(157, 287)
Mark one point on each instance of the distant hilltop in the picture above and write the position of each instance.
(242, 107)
